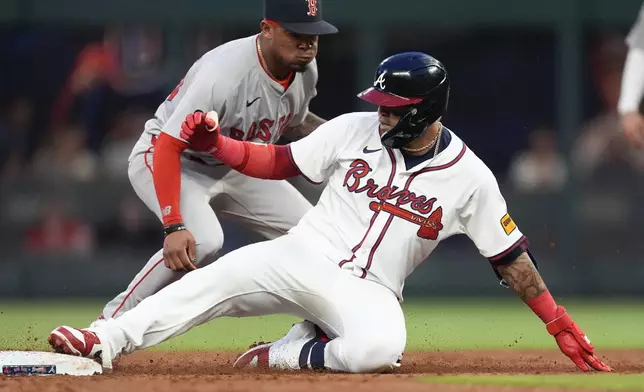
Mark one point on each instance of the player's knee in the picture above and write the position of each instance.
(373, 354)
(208, 246)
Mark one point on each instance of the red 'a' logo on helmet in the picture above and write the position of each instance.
(313, 7)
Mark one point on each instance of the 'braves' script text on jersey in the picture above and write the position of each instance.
(379, 219)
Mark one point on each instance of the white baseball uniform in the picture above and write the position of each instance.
(230, 80)
(343, 266)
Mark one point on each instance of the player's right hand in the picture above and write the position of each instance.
(574, 343)
(633, 126)
(180, 251)
(201, 130)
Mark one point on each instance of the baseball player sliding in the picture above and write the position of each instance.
(633, 84)
(261, 87)
(399, 182)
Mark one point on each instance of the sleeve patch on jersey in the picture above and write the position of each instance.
(508, 224)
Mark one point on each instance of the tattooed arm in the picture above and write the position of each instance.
(486, 221)
(310, 124)
(523, 278)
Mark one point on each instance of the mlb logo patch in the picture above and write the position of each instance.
(508, 224)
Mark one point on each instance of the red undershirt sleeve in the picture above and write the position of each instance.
(166, 174)
(267, 161)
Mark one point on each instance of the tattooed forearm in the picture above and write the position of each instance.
(523, 277)
(310, 123)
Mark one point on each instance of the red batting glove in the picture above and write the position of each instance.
(200, 131)
(574, 343)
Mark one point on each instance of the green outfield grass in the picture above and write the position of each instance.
(432, 325)
(610, 382)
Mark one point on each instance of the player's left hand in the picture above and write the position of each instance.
(201, 130)
(574, 343)
(179, 251)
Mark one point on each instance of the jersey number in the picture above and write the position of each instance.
(261, 129)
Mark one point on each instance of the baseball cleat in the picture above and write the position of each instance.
(398, 362)
(255, 357)
(79, 343)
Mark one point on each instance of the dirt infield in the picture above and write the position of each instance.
(207, 371)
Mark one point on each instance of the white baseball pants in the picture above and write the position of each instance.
(286, 275)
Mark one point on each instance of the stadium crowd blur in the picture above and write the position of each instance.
(74, 101)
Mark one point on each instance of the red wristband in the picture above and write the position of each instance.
(544, 306)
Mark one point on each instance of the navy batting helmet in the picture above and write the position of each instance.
(416, 83)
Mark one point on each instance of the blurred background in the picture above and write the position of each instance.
(535, 87)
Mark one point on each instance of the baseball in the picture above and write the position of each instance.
(212, 115)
